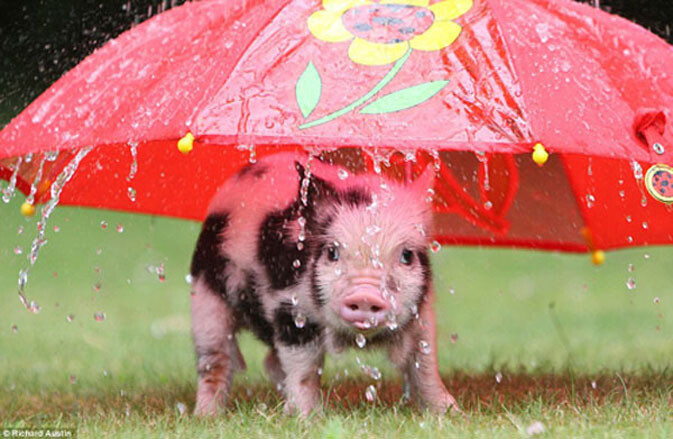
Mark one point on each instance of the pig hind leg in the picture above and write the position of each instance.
(274, 369)
(217, 353)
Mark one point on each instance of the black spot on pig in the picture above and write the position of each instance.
(286, 329)
(318, 298)
(249, 310)
(208, 259)
(278, 250)
(256, 170)
(356, 197)
(424, 260)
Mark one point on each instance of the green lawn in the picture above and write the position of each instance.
(541, 337)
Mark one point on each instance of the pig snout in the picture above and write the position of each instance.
(364, 307)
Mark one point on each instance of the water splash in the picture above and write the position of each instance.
(9, 191)
(361, 341)
(36, 181)
(55, 191)
(130, 191)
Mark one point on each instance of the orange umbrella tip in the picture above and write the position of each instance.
(598, 257)
(186, 144)
(27, 209)
(540, 154)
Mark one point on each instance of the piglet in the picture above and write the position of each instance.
(312, 260)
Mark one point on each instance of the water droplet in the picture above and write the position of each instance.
(656, 300)
(300, 320)
(628, 218)
(120, 228)
(645, 225)
(424, 347)
(320, 371)
(370, 393)
(375, 373)
(294, 300)
(296, 263)
(189, 279)
(452, 291)
(488, 205)
(99, 316)
(23, 279)
(646, 256)
(435, 246)
(498, 377)
(15, 329)
(590, 199)
(131, 194)
(535, 428)
(372, 230)
(631, 283)
(343, 174)
(360, 340)
(18, 250)
(454, 337)
(70, 317)
(430, 195)
(300, 246)
(391, 321)
(593, 384)
(161, 273)
(182, 408)
(103, 225)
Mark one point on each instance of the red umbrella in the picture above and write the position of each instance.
(473, 88)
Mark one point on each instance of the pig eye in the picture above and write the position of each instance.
(407, 257)
(332, 253)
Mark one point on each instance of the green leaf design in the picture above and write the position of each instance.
(308, 90)
(405, 98)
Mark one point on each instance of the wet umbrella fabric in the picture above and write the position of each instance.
(468, 87)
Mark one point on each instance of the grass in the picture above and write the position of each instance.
(541, 337)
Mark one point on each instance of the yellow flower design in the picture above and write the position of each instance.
(381, 33)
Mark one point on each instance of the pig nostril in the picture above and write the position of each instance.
(376, 308)
(353, 307)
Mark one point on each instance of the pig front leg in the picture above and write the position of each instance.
(416, 357)
(217, 353)
(300, 364)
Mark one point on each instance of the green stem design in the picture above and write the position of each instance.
(382, 83)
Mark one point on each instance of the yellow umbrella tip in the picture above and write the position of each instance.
(598, 257)
(540, 154)
(186, 144)
(27, 209)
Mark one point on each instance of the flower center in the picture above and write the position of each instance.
(387, 24)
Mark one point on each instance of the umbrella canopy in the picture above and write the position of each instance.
(469, 87)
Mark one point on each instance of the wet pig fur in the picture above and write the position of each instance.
(307, 259)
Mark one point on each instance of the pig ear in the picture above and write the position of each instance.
(318, 189)
(424, 181)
